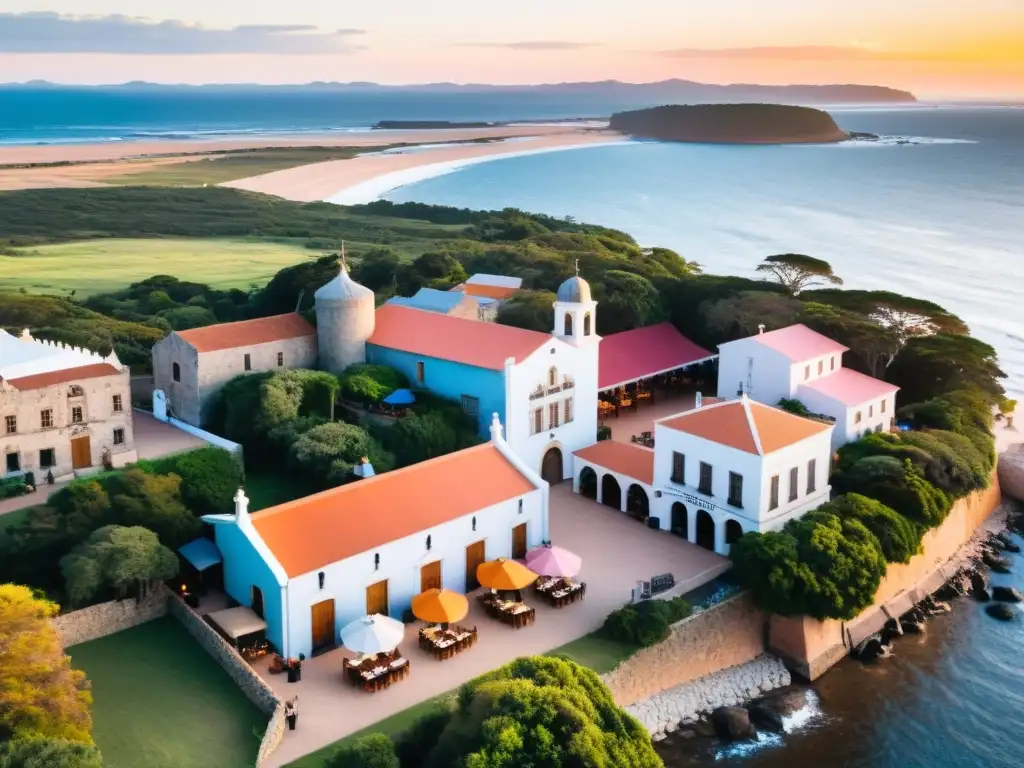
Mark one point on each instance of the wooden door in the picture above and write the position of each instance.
(81, 453)
(377, 598)
(430, 576)
(519, 542)
(323, 625)
(257, 601)
(551, 467)
(476, 554)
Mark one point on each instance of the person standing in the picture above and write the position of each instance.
(291, 712)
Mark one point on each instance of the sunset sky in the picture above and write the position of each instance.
(944, 48)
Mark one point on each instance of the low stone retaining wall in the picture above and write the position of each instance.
(665, 711)
(104, 619)
(725, 635)
(252, 685)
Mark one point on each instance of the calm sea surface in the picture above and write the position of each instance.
(942, 218)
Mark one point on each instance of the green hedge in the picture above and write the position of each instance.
(646, 623)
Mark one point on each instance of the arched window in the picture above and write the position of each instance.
(552, 376)
(586, 324)
(568, 324)
(176, 372)
(428, 543)
(75, 391)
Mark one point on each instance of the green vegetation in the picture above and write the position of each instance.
(796, 272)
(86, 268)
(370, 384)
(646, 623)
(48, 753)
(596, 652)
(372, 751)
(162, 701)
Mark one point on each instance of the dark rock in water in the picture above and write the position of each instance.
(733, 723)
(784, 701)
(894, 626)
(1007, 595)
(870, 649)
(1003, 537)
(997, 563)
(685, 734)
(704, 727)
(765, 718)
(914, 627)
(978, 581)
(981, 595)
(1001, 611)
(1012, 546)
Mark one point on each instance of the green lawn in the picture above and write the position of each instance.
(268, 489)
(161, 701)
(99, 266)
(598, 653)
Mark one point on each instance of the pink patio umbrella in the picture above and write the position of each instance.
(550, 560)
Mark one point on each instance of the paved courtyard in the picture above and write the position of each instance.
(617, 552)
(629, 423)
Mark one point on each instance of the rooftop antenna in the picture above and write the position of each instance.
(298, 304)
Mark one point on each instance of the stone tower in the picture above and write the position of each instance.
(345, 315)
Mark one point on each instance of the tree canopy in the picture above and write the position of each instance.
(796, 272)
(48, 753)
(330, 451)
(372, 751)
(931, 366)
(119, 559)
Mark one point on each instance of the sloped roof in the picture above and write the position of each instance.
(746, 425)
(642, 352)
(627, 459)
(799, 343)
(310, 533)
(850, 387)
(431, 300)
(489, 291)
(64, 376)
(248, 333)
(470, 342)
(500, 281)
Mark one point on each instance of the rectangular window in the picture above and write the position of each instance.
(118, 405)
(46, 418)
(421, 375)
(538, 420)
(553, 415)
(705, 479)
(773, 499)
(821, 367)
(471, 405)
(812, 467)
(47, 458)
(118, 436)
(248, 362)
(736, 490)
(678, 468)
(857, 418)
(11, 424)
(13, 462)
(568, 410)
(280, 359)
(76, 414)
(871, 411)
(794, 478)
(807, 372)
(832, 364)
(881, 408)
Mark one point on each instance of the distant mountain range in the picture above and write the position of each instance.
(666, 91)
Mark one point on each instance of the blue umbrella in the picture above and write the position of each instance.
(400, 397)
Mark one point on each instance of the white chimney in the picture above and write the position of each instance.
(760, 328)
(242, 508)
(495, 428)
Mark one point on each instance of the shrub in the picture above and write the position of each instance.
(899, 538)
(117, 558)
(328, 452)
(48, 753)
(416, 742)
(366, 383)
(209, 478)
(646, 623)
(604, 432)
(794, 406)
(899, 485)
(373, 751)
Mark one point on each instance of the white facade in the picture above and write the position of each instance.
(345, 317)
(852, 421)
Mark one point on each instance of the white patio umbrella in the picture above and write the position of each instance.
(373, 634)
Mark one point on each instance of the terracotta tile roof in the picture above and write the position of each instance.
(484, 345)
(247, 333)
(746, 425)
(850, 387)
(310, 533)
(799, 343)
(632, 355)
(64, 376)
(489, 291)
(626, 458)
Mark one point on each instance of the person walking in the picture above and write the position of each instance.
(291, 712)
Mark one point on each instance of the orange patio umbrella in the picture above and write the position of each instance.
(440, 606)
(504, 574)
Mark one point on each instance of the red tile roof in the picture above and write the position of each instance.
(799, 343)
(247, 333)
(471, 342)
(310, 533)
(64, 376)
(746, 425)
(632, 355)
(850, 387)
(489, 291)
(628, 459)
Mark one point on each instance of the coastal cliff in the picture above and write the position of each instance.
(730, 124)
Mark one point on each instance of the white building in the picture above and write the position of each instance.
(716, 472)
(62, 409)
(311, 566)
(798, 363)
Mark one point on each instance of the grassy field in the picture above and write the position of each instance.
(161, 701)
(221, 168)
(598, 653)
(98, 266)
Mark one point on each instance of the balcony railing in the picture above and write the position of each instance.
(540, 392)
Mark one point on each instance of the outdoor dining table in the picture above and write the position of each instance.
(445, 643)
(560, 592)
(376, 672)
(516, 614)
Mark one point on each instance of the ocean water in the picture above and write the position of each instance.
(941, 218)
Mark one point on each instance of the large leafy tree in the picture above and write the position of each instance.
(931, 366)
(627, 301)
(48, 753)
(373, 751)
(742, 314)
(328, 452)
(899, 538)
(898, 484)
(117, 558)
(41, 696)
(532, 310)
(138, 498)
(796, 272)
(541, 711)
(872, 346)
(209, 478)
(906, 316)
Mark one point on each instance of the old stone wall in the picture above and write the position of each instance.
(812, 647)
(725, 635)
(104, 619)
(272, 736)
